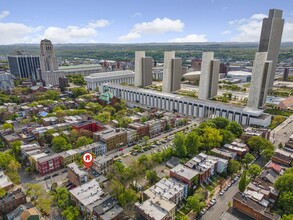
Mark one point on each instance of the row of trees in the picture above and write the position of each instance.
(210, 134)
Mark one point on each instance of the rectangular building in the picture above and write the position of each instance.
(102, 164)
(143, 69)
(75, 175)
(24, 66)
(113, 138)
(185, 174)
(48, 164)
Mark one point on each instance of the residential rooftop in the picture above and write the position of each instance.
(185, 172)
(74, 167)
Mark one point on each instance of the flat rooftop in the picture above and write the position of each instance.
(74, 167)
(247, 110)
(109, 74)
(185, 172)
(80, 67)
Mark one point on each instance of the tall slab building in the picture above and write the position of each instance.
(260, 80)
(143, 69)
(24, 66)
(48, 58)
(172, 72)
(209, 77)
(270, 40)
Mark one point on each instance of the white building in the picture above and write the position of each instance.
(242, 75)
(189, 106)
(97, 79)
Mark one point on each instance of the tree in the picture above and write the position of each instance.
(242, 182)
(7, 126)
(2, 192)
(247, 159)
(211, 138)
(194, 203)
(127, 199)
(12, 171)
(220, 122)
(286, 201)
(152, 176)
(78, 91)
(70, 213)
(253, 170)
(61, 197)
(233, 166)
(192, 143)
(124, 122)
(94, 107)
(284, 183)
(267, 154)
(227, 136)
(179, 144)
(146, 140)
(258, 143)
(120, 114)
(52, 94)
(60, 144)
(235, 128)
(109, 109)
(287, 217)
(143, 119)
(103, 117)
(15, 147)
(83, 141)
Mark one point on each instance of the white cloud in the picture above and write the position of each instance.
(288, 32)
(191, 38)
(98, 23)
(4, 14)
(157, 26)
(128, 37)
(13, 33)
(226, 32)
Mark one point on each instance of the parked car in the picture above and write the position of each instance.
(55, 174)
(47, 177)
(229, 185)
(222, 193)
(134, 153)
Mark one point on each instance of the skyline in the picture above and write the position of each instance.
(133, 22)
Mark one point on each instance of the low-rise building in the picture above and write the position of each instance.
(113, 138)
(102, 164)
(169, 189)
(90, 125)
(12, 200)
(131, 136)
(240, 151)
(252, 208)
(97, 148)
(108, 209)
(67, 157)
(141, 129)
(155, 127)
(185, 174)
(5, 182)
(250, 132)
(75, 175)
(282, 157)
(31, 214)
(224, 153)
(48, 164)
(86, 197)
(50, 121)
(156, 209)
(26, 149)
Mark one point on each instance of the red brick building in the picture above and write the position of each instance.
(141, 129)
(283, 157)
(91, 125)
(11, 201)
(48, 164)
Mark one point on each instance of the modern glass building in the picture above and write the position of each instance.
(24, 66)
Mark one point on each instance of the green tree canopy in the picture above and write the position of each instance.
(247, 159)
(233, 166)
(253, 170)
(83, 141)
(211, 138)
(152, 176)
(194, 203)
(242, 182)
(59, 143)
(235, 128)
(103, 117)
(220, 122)
(179, 144)
(258, 144)
(192, 143)
(71, 213)
(78, 91)
(227, 136)
(7, 126)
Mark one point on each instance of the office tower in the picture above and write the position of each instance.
(270, 40)
(47, 58)
(196, 64)
(143, 69)
(260, 80)
(209, 77)
(172, 72)
(24, 66)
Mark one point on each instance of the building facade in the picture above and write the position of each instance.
(172, 72)
(143, 69)
(96, 80)
(209, 77)
(270, 40)
(6, 81)
(48, 164)
(75, 175)
(24, 66)
(189, 106)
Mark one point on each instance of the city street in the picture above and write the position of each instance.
(222, 203)
(282, 133)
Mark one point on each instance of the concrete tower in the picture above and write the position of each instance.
(259, 81)
(48, 59)
(270, 40)
(143, 69)
(172, 72)
(209, 77)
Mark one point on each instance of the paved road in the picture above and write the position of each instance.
(282, 133)
(222, 204)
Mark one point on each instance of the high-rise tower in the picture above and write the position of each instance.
(172, 72)
(48, 58)
(270, 40)
(143, 69)
(209, 77)
(260, 80)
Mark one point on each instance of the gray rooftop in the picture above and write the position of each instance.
(184, 171)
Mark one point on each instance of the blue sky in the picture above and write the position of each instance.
(138, 21)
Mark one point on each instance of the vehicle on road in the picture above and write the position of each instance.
(64, 171)
(55, 174)
(222, 193)
(47, 177)
(134, 154)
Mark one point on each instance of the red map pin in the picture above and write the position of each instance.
(87, 159)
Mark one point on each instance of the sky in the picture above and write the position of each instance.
(138, 21)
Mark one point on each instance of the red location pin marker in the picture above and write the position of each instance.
(87, 159)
